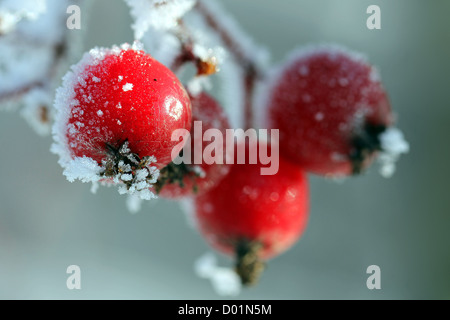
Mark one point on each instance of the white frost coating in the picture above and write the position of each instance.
(127, 87)
(13, 11)
(231, 92)
(28, 68)
(19, 68)
(47, 27)
(157, 14)
(84, 169)
(216, 54)
(228, 82)
(37, 110)
(261, 101)
(164, 46)
(393, 145)
(225, 281)
(198, 84)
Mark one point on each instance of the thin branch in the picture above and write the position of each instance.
(204, 67)
(251, 69)
(59, 52)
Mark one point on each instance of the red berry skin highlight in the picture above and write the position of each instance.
(127, 96)
(251, 208)
(330, 107)
(211, 115)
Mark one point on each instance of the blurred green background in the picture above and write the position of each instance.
(401, 224)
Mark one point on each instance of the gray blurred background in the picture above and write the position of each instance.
(401, 224)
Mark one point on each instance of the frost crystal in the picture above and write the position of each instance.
(127, 87)
(133, 179)
(157, 14)
(393, 145)
(84, 169)
(225, 281)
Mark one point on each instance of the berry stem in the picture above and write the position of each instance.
(204, 67)
(229, 41)
(249, 82)
(17, 93)
(252, 71)
(249, 267)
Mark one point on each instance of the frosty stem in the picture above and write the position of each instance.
(250, 67)
(204, 67)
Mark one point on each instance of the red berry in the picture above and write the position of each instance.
(125, 95)
(177, 181)
(254, 216)
(119, 108)
(330, 108)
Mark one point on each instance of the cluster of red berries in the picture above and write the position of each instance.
(118, 108)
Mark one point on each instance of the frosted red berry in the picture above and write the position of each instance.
(177, 181)
(330, 108)
(122, 95)
(254, 216)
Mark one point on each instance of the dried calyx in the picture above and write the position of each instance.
(175, 174)
(128, 168)
(365, 143)
(249, 266)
